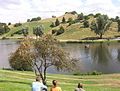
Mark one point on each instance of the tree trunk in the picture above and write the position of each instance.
(101, 36)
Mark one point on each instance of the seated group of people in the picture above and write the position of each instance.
(39, 86)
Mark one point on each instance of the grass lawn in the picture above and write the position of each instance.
(21, 81)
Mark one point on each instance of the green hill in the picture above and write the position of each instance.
(74, 31)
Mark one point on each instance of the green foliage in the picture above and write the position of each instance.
(91, 14)
(60, 31)
(38, 31)
(23, 31)
(96, 15)
(88, 73)
(86, 24)
(57, 23)
(52, 25)
(35, 19)
(17, 24)
(86, 17)
(28, 20)
(9, 23)
(54, 31)
(117, 19)
(101, 25)
(80, 16)
(20, 59)
(70, 20)
(40, 54)
(4, 28)
(73, 12)
(63, 20)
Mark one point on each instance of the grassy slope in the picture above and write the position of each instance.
(21, 81)
(72, 32)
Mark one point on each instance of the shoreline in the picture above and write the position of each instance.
(75, 40)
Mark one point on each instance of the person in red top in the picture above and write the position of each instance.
(55, 86)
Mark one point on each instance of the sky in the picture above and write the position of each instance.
(20, 10)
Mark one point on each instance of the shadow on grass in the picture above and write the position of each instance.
(20, 82)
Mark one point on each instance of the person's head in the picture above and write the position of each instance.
(80, 85)
(54, 82)
(38, 78)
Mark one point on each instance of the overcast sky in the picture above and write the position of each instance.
(20, 10)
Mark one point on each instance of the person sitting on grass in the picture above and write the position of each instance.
(55, 86)
(38, 85)
(80, 87)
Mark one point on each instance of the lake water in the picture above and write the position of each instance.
(102, 57)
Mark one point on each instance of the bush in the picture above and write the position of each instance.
(52, 24)
(57, 23)
(17, 24)
(54, 31)
(60, 31)
(35, 19)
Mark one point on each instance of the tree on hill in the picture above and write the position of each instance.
(4, 28)
(43, 53)
(86, 24)
(118, 21)
(25, 31)
(101, 25)
(57, 23)
(52, 24)
(38, 31)
(63, 20)
(96, 15)
(80, 16)
(36, 19)
(60, 31)
(28, 20)
(17, 24)
(9, 23)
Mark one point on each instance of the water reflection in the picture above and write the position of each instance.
(100, 53)
(118, 55)
(101, 57)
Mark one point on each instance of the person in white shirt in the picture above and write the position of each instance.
(38, 85)
(79, 88)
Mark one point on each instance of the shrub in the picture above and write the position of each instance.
(54, 31)
(52, 24)
(60, 31)
(57, 22)
(17, 24)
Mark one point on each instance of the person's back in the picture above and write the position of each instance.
(38, 86)
(55, 87)
(79, 89)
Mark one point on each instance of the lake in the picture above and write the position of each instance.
(102, 57)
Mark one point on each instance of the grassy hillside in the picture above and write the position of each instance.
(71, 32)
(21, 81)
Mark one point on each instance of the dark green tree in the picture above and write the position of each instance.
(96, 15)
(38, 31)
(52, 24)
(57, 23)
(118, 21)
(63, 20)
(28, 20)
(101, 25)
(86, 24)
(60, 31)
(80, 16)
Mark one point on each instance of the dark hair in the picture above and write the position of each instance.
(37, 78)
(80, 85)
(54, 82)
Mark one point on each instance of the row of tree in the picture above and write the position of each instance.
(99, 25)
